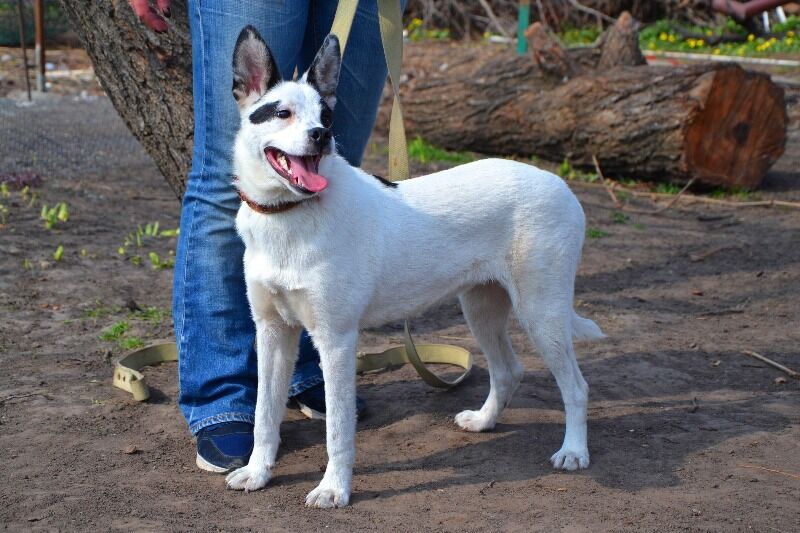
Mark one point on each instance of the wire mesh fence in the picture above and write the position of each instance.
(57, 28)
(63, 136)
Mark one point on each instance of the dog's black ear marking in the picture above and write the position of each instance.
(326, 116)
(264, 113)
(254, 68)
(387, 183)
(323, 74)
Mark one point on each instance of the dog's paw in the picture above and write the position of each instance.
(248, 478)
(566, 459)
(474, 421)
(326, 497)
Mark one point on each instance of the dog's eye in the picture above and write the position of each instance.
(283, 113)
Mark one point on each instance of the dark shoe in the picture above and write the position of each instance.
(311, 403)
(224, 447)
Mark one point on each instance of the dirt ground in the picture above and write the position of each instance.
(686, 432)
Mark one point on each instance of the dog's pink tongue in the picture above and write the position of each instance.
(306, 177)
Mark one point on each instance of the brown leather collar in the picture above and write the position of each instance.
(273, 208)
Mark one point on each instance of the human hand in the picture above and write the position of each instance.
(152, 17)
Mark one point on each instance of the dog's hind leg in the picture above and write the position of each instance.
(549, 327)
(486, 308)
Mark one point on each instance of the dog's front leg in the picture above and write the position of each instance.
(338, 355)
(276, 346)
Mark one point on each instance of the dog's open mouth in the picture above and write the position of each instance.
(300, 171)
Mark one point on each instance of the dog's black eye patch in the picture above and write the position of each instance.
(264, 113)
(387, 183)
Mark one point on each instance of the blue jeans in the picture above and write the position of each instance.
(213, 326)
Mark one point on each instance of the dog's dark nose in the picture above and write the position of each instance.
(319, 136)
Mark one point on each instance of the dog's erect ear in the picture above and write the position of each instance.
(323, 74)
(254, 69)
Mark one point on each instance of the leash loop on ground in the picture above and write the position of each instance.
(128, 374)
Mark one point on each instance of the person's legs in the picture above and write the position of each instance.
(362, 78)
(213, 327)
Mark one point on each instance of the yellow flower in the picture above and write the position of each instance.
(790, 33)
(716, 51)
(701, 42)
(663, 36)
(790, 41)
(751, 38)
(672, 38)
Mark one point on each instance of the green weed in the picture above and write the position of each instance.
(158, 263)
(59, 253)
(153, 315)
(618, 217)
(734, 193)
(53, 215)
(425, 152)
(416, 32)
(99, 310)
(129, 343)
(594, 233)
(667, 188)
(115, 332)
(579, 36)
(568, 172)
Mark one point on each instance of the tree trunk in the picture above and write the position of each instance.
(147, 76)
(714, 122)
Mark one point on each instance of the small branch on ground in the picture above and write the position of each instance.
(770, 362)
(677, 196)
(18, 396)
(781, 472)
(609, 190)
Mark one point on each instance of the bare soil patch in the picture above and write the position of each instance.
(686, 433)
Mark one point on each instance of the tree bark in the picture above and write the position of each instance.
(716, 122)
(147, 76)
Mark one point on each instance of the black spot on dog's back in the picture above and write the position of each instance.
(264, 113)
(387, 183)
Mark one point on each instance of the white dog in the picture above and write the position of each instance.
(334, 249)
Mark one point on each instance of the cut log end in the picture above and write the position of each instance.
(739, 129)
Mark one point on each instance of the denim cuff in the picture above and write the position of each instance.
(304, 384)
(223, 417)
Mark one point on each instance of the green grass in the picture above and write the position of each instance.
(99, 310)
(116, 331)
(618, 217)
(734, 193)
(663, 35)
(594, 233)
(152, 315)
(425, 152)
(667, 188)
(579, 36)
(416, 32)
(130, 343)
(568, 172)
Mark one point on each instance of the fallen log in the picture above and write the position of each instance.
(715, 123)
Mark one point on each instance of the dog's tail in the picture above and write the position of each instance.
(584, 329)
